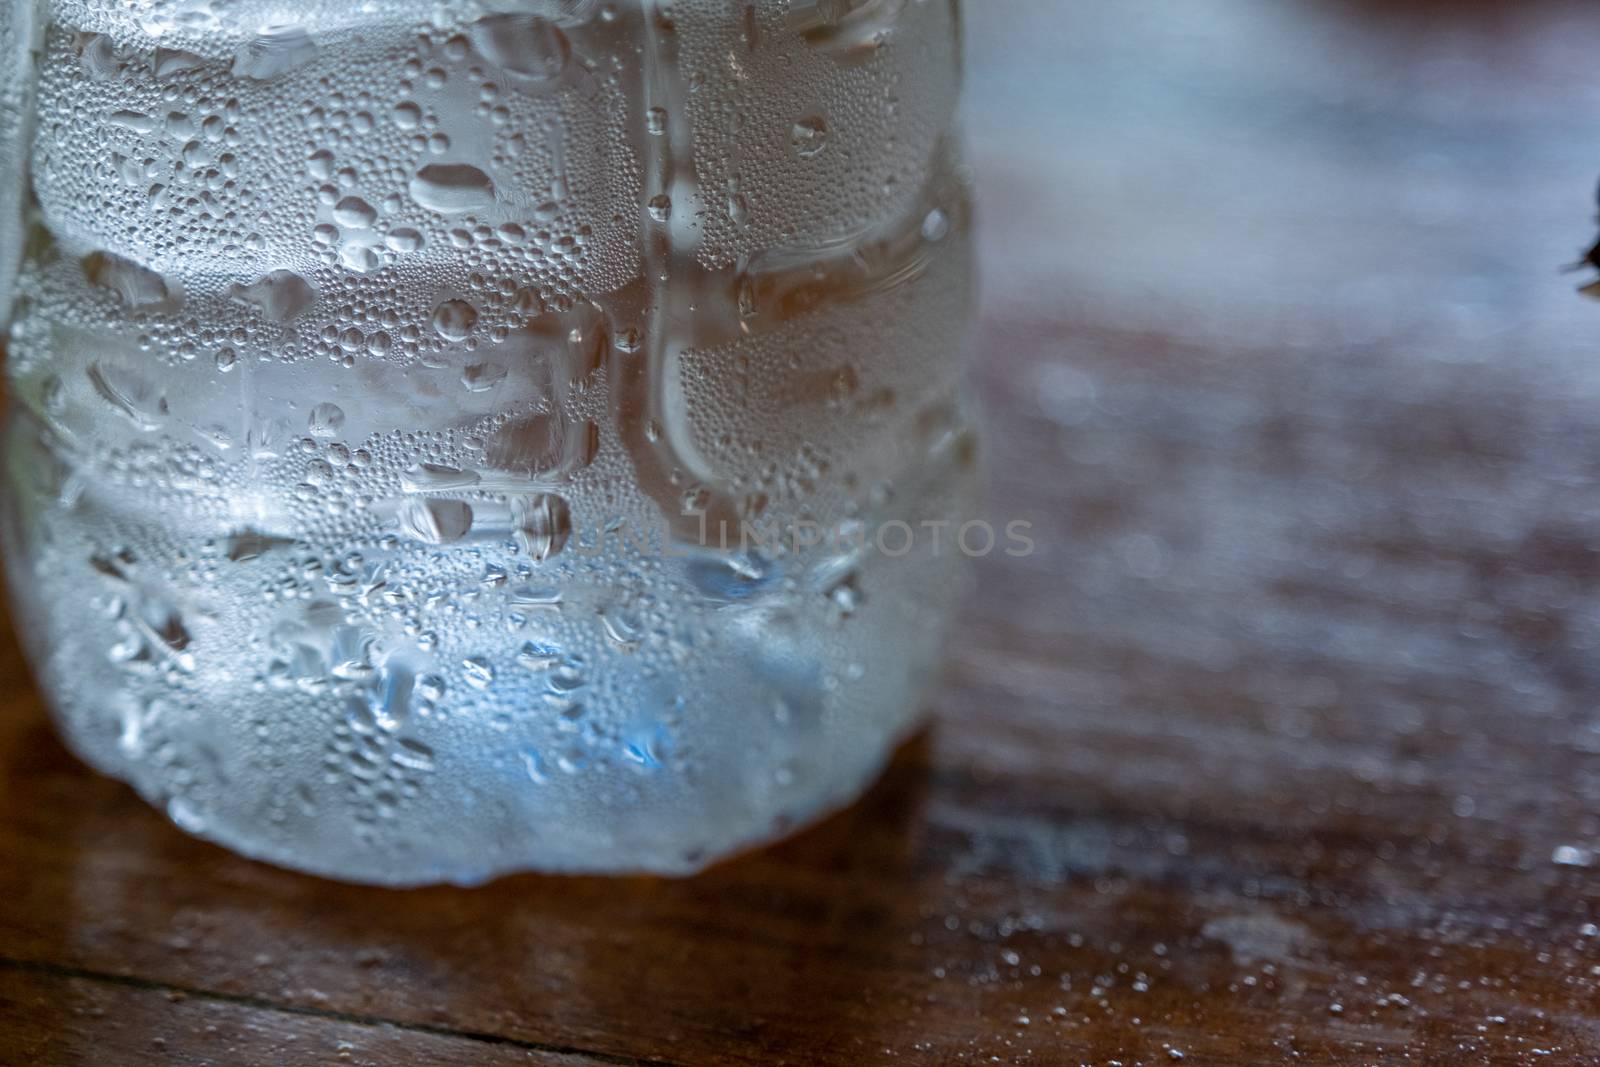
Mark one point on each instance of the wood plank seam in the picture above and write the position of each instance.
(56, 970)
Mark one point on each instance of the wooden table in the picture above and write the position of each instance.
(1282, 748)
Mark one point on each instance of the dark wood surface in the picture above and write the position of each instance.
(1282, 748)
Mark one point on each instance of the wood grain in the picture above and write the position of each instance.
(1283, 746)
(62, 1018)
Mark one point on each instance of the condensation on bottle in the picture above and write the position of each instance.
(387, 379)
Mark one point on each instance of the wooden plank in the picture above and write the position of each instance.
(53, 1017)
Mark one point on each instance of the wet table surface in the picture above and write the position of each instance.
(1283, 745)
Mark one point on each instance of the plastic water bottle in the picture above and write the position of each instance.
(455, 439)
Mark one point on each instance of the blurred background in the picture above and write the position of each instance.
(1284, 368)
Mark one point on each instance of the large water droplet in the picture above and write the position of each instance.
(320, 164)
(454, 319)
(530, 48)
(542, 444)
(169, 61)
(139, 287)
(280, 296)
(360, 257)
(326, 420)
(355, 212)
(567, 675)
(137, 121)
(452, 188)
(538, 657)
(433, 477)
(536, 598)
(733, 577)
(404, 239)
(851, 32)
(434, 521)
(482, 377)
(540, 524)
(273, 51)
(98, 53)
(129, 393)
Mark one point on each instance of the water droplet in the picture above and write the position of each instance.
(566, 676)
(454, 319)
(360, 257)
(403, 239)
(98, 55)
(845, 596)
(537, 657)
(851, 33)
(326, 420)
(530, 48)
(138, 287)
(320, 164)
(452, 188)
(733, 577)
(274, 51)
(169, 61)
(645, 748)
(186, 816)
(280, 296)
(477, 672)
(809, 137)
(129, 393)
(413, 754)
(138, 717)
(542, 444)
(540, 524)
(355, 212)
(137, 121)
(621, 626)
(481, 377)
(538, 598)
(407, 116)
(433, 477)
(655, 120)
(434, 521)
(660, 207)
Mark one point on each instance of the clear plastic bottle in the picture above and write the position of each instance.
(455, 439)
